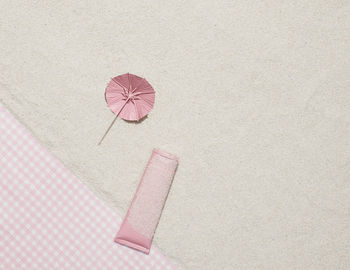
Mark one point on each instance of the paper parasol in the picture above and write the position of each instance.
(130, 97)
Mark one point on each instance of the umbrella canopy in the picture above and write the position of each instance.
(130, 96)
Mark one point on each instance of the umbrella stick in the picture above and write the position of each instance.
(110, 126)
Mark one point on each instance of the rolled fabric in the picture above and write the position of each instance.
(142, 218)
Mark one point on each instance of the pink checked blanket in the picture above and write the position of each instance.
(49, 219)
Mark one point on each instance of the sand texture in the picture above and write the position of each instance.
(253, 96)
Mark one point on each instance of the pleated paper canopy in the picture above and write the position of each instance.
(130, 97)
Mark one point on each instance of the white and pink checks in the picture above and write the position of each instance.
(49, 219)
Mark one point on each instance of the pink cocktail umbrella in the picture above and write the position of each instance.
(130, 97)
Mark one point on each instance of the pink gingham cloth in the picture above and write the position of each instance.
(49, 219)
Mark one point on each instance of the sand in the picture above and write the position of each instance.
(253, 96)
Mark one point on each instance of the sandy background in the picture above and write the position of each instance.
(253, 96)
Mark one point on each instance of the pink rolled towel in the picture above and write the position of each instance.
(142, 218)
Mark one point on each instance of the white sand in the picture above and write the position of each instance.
(253, 96)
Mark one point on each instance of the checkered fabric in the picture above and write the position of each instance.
(49, 219)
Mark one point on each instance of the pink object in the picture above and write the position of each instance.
(49, 219)
(143, 215)
(130, 97)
